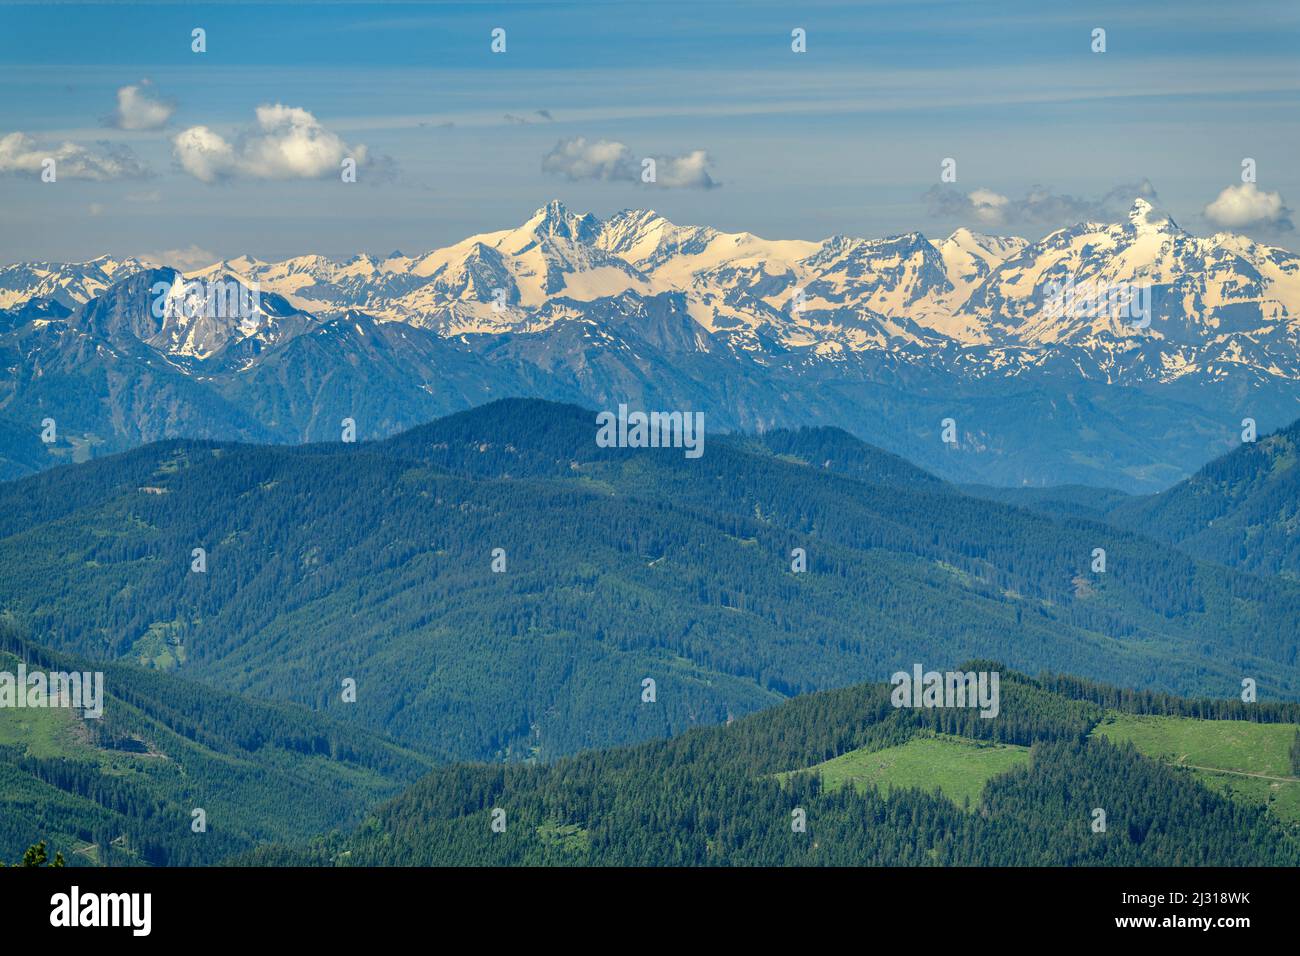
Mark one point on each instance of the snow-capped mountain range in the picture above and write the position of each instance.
(759, 332)
(1219, 301)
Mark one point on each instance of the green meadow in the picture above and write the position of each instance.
(956, 767)
(1245, 760)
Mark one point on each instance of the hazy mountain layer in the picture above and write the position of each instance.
(884, 337)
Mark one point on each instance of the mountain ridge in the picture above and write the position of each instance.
(374, 560)
(885, 337)
(556, 251)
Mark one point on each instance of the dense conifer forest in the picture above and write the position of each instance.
(291, 637)
(498, 586)
(723, 796)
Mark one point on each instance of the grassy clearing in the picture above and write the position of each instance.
(956, 767)
(1248, 761)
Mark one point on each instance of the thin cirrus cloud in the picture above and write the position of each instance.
(139, 109)
(516, 120)
(1039, 205)
(1246, 205)
(610, 161)
(286, 143)
(21, 154)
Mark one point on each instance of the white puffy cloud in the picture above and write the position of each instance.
(578, 159)
(611, 161)
(204, 154)
(138, 109)
(988, 206)
(20, 153)
(186, 260)
(1248, 205)
(1039, 206)
(688, 172)
(287, 143)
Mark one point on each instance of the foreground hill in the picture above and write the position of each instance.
(1242, 509)
(121, 789)
(374, 562)
(729, 795)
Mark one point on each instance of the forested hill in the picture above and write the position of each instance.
(525, 437)
(374, 562)
(1242, 509)
(122, 789)
(730, 795)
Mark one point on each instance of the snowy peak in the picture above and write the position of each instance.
(68, 283)
(646, 239)
(968, 258)
(984, 247)
(1146, 218)
(555, 221)
(187, 318)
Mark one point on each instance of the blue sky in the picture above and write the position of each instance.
(845, 138)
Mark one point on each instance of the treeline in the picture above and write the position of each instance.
(36, 856)
(1168, 705)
